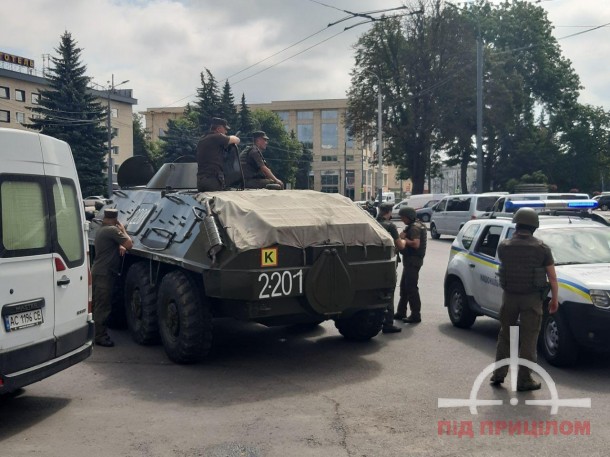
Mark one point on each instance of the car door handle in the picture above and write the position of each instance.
(471, 265)
(64, 281)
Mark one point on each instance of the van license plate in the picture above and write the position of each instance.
(22, 320)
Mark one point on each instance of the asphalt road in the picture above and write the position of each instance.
(278, 392)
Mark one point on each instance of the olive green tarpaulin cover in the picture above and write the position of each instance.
(297, 218)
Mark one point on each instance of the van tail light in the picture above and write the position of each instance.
(59, 264)
(89, 288)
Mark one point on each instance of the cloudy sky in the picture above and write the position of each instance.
(161, 46)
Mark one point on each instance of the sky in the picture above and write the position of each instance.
(162, 46)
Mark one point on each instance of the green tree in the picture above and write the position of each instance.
(208, 103)
(141, 144)
(244, 123)
(227, 108)
(68, 110)
(181, 137)
(304, 164)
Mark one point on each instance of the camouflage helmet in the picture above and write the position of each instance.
(407, 211)
(526, 216)
(385, 208)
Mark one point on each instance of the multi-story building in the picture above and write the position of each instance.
(340, 164)
(20, 86)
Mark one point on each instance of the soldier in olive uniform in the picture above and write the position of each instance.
(526, 263)
(415, 236)
(256, 172)
(111, 242)
(210, 156)
(385, 214)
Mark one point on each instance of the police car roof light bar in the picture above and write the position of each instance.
(579, 205)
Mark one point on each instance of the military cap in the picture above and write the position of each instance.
(111, 213)
(385, 207)
(407, 211)
(218, 121)
(259, 134)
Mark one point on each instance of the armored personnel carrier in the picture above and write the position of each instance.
(275, 257)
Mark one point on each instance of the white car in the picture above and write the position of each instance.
(581, 249)
(90, 201)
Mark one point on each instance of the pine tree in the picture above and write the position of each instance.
(69, 111)
(227, 107)
(245, 123)
(207, 105)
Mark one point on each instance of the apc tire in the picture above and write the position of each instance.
(141, 305)
(433, 232)
(556, 341)
(362, 326)
(425, 218)
(185, 320)
(459, 311)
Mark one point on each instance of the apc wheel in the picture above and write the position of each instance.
(425, 218)
(362, 326)
(460, 313)
(433, 232)
(556, 341)
(185, 321)
(141, 305)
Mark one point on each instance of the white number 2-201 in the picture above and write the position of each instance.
(280, 283)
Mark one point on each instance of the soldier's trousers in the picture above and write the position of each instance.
(258, 183)
(409, 290)
(527, 308)
(102, 303)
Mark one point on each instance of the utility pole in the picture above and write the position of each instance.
(479, 113)
(111, 88)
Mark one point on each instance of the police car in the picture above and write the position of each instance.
(581, 249)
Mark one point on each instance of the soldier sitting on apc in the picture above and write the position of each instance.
(257, 174)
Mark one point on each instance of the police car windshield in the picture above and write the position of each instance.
(577, 245)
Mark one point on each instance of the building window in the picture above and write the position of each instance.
(304, 115)
(305, 133)
(115, 112)
(115, 168)
(4, 92)
(20, 117)
(5, 116)
(330, 184)
(283, 115)
(35, 99)
(329, 114)
(20, 95)
(329, 136)
(329, 159)
(161, 132)
(115, 132)
(115, 150)
(349, 158)
(349, 140)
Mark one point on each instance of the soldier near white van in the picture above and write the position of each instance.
(526, 264)
(111, 242)
(415, 236)
(257, 174)
(210, 156)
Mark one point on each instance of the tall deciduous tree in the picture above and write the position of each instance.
(68, 110)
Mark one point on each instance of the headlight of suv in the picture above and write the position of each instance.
(600, 298)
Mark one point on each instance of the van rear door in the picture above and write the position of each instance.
(26, 262)
(69, 254)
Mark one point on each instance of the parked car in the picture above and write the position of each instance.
(425, 213)
(453, 211)
(501, 203)
(90, 201)
(604, 202)
(581, 249)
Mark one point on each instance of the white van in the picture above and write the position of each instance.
(416, 202)
(45, 305)
(388, 197)
(453, 211)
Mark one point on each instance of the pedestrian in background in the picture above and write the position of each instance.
(111, 242)
(415, 236)
(526, 265)
(210, 156)
(385, 214)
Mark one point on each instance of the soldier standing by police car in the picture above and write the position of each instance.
(415, 236)
(526, 263)
(385, 214)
